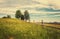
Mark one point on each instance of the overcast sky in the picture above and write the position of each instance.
(33, 6)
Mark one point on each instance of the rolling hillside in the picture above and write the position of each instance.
(18, 29)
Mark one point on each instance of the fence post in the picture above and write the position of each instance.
(42, 23)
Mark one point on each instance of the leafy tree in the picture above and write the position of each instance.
(4, 17)
(8, 16)
(26, 15)
(18, 14)
(22, 17)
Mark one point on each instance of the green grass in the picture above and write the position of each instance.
(18, 29)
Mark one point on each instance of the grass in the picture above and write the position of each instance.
(53, 25)
(18, 29)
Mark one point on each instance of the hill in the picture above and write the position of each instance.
(18, 29)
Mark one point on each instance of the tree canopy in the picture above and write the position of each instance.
(18, 14)
(26, 15)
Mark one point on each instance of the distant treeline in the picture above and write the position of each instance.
(19, 15)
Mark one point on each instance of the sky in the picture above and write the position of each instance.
(47, 10)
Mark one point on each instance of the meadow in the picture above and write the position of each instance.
(18, 29)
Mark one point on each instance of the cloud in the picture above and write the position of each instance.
(15, 3)
(12, 3)
(2, 1)
(35, 6)
(47, 9)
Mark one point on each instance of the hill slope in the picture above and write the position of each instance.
(17, 29)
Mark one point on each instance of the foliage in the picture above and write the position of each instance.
(26, 15)
(22, 17)
(8, 16)
(18, 14)
(4, 17)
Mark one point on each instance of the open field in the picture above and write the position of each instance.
(50, 25)
(57, 26)
(18, 29)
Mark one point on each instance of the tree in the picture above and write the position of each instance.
(18, 14)
(8, 16)
(4, 17)
(22, 17)
(26, 15)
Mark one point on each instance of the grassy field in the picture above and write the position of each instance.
(18, 29)
(50, 25)
(53, 25)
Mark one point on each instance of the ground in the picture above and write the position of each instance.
(18, 29)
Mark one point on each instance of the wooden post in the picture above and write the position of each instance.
(42, 23)
(33, 21)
